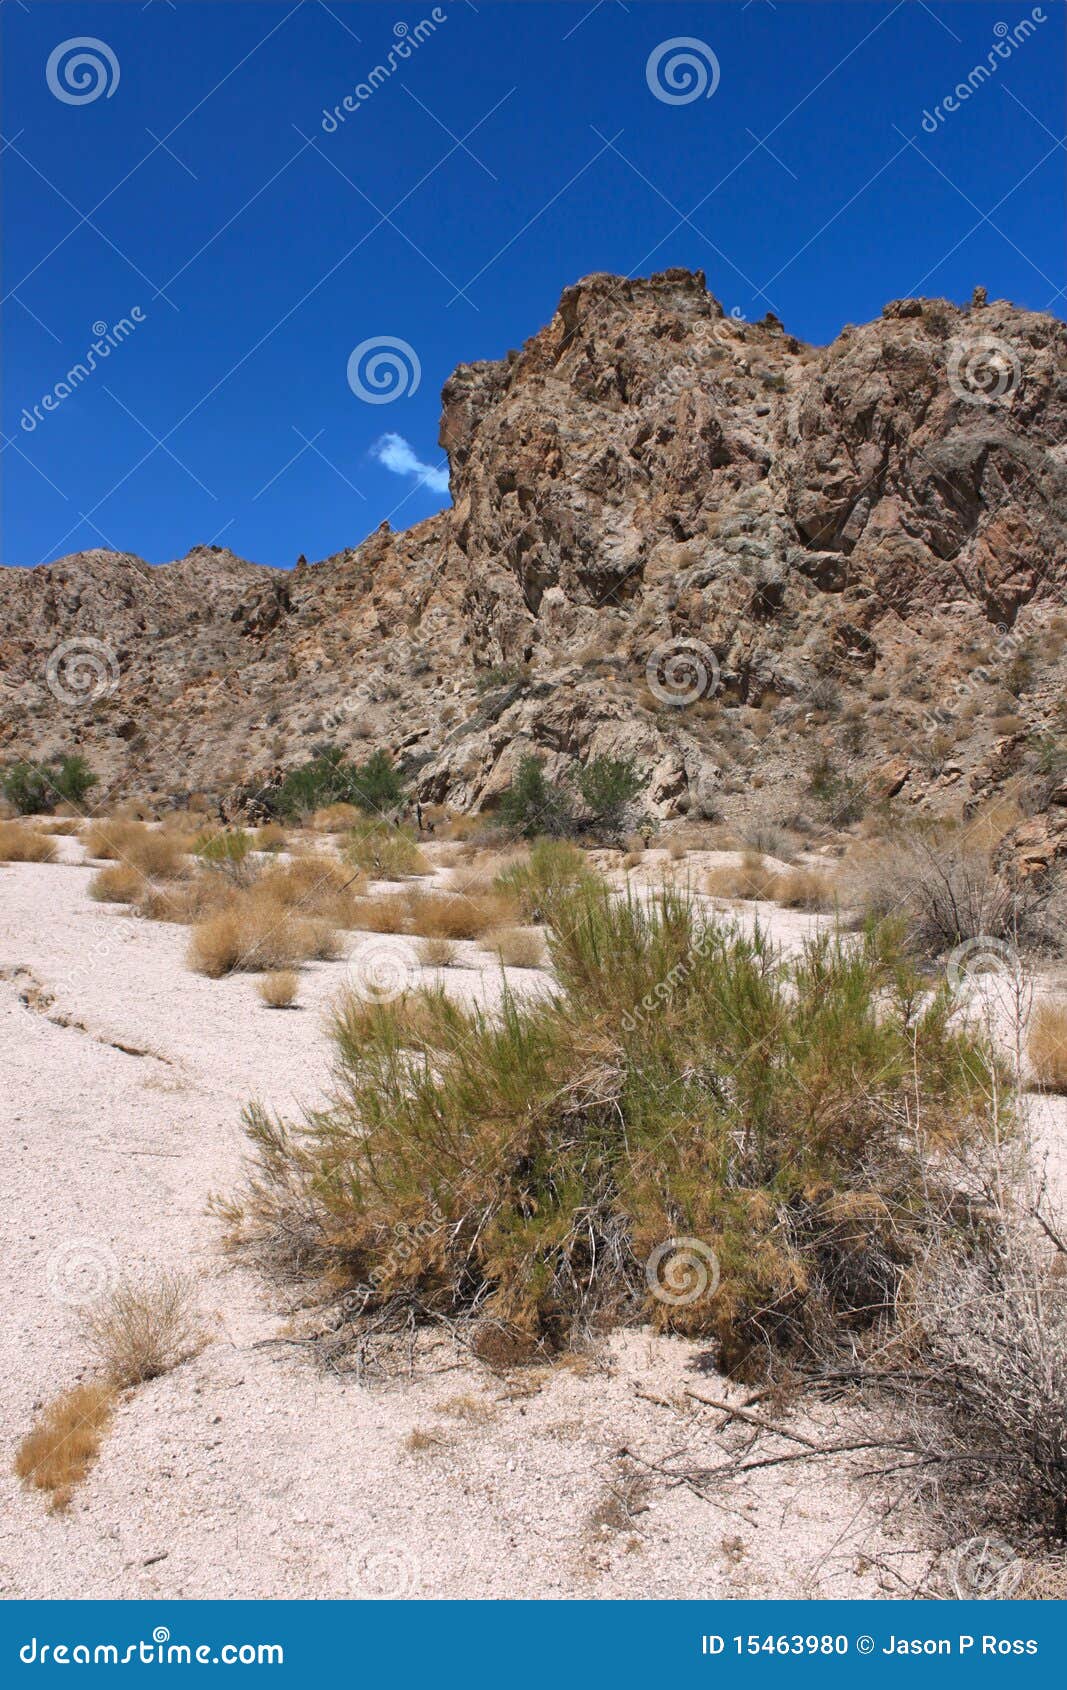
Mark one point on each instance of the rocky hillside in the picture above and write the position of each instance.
(786, 579)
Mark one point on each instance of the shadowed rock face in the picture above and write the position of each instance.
(836, 535)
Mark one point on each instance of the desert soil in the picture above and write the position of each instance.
(248, 1472)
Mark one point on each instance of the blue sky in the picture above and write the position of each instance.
(517, 147)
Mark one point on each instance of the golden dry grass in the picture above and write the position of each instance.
(1047, 1046)
(448, 915)
(517, 947)
(804, 889)
(271, 837)
(278, 989)
(118, 883)
(753, 877)
(437, 953)
(336, 818)
(316, 885)
(383, 913)
(65, 1440)
(68, 826)
(20, 843)
(154, 851)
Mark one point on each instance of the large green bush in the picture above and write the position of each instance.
(35, 788)
(694, 1129)
(592, 797)
(327, 778)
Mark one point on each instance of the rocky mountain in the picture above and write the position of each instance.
(784, 578)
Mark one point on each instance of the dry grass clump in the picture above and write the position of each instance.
(143, 1328)
(153, 851)
(118, 883)
(182, 901)
(1047, 1046)
(751, 878)
(336, 818)
(271, 837)
(450, 915)
(804, 889)
(684, 1082)
(387, 853)
(278, 989)
(249, 935)
(385, 912)
(517, 947)
(22, 844)
(68, 826)
(64, 1441)
(318, 886)
(437, 953)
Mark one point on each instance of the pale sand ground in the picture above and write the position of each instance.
(252, 1473)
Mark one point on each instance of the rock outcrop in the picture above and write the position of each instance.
(674, 536)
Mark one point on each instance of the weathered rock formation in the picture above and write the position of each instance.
(674, 535)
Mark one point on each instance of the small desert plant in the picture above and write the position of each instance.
(387, 853)
(271, 838)
(336, 818)
(248, 935)
(142, 1328)
(22, 844)
(990, 1318)
(607, 786)
(517, 947)
(228, 851)
(752, 878)
(65, 1440)
(804, 889)
(278, 989)
(437, 953)
(552, 870)
(117, 884)
(1047, 1046)
(374, 786)
(151, 850)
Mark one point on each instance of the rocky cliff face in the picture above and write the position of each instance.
(674, 535)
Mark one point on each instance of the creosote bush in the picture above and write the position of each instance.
(385, 852)
(683, 1082)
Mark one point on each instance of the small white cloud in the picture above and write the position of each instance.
(394, 452)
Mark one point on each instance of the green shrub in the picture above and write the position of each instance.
(375, 786)
(34, 788)
(535, 806)
(689, 1099)
(387, 853)
(228, 851)
(553, 868)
